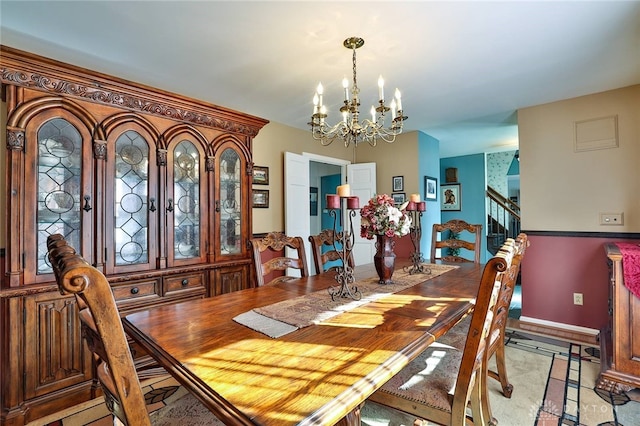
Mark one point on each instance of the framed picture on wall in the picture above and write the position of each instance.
(313, 201)
(261, 198)
(397, 184)
(260, 175)
(399, 198)
(450, 197)
(430, 188)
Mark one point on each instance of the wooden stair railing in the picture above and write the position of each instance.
(503, 220)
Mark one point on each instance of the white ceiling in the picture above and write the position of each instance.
(464, 67)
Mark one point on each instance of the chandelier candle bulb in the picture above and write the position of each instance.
(373, 114)
(399, 100)
(320, 91)
(333, 201)
(344, 190)
(381, 88)
(415, 198)
(393, 109)
(353, 203)
(345, 84)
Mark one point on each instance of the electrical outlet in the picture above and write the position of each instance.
(611, 218)
(577, 298)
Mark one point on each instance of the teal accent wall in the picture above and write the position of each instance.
(428, 165)
(472, 180)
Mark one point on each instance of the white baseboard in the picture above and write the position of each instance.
(559, 325)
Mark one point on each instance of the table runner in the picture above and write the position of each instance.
(631, 266)
(284, 317)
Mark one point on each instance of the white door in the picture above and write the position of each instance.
(296, 201)
(362, 182)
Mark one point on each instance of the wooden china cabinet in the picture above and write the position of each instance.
(620, 340)
(152, 188)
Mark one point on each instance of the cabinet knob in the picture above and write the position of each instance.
(135, 290)
(185, 282)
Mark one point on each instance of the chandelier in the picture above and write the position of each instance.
(351, 130)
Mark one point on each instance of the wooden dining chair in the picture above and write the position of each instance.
(275, 243)
(102, 329)
(321, 241)
(449, 233)
(442, 381)
(457, 335)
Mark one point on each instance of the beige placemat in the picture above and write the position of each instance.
(317, 307)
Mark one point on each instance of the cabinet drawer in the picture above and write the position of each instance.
(184, 284)
(132, 291)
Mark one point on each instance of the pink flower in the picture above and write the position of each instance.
(381, 217)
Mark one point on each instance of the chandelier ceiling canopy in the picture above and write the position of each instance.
(352, 130)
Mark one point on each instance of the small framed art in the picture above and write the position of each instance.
(450, 197)
(399, 198)
(430, 188)
(261, 198)
(260, 175)
(397, 184)
(313, 201)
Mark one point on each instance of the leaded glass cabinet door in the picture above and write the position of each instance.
(231, 199)
(131, 200)
(58, 147)
(186, 213)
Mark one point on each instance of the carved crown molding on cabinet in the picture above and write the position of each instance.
(28, 70)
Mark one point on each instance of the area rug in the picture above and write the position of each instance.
(554, 384)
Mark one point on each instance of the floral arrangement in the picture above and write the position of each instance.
(381, 217)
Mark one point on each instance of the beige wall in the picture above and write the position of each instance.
(268, 150)
(394, 159)
(565, 190)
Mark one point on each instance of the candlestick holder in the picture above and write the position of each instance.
(346, 239)
(415, 210)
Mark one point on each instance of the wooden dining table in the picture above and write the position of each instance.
(316, 375)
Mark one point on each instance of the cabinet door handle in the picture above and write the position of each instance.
(135, 290)
(86, 206)
(217, 206)
(185, 282)
(152, 206)
(170, 207)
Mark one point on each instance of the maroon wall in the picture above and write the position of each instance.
(555, 267)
